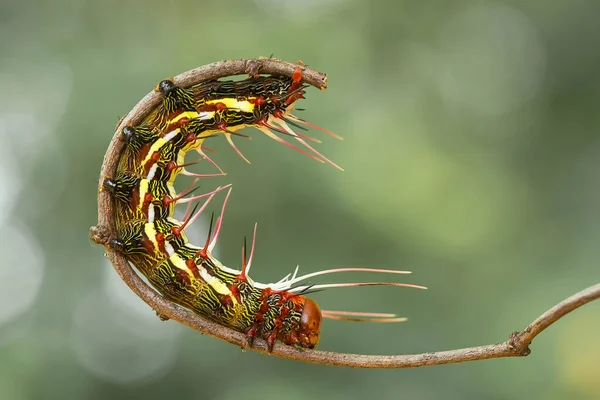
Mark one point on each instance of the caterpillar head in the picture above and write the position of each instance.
(309, 327)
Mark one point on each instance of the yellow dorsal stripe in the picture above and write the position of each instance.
(179, 263)
(229, 102)
(151, 233)
(214, 282)
(143, 190)
(184, 114)
(160, 142)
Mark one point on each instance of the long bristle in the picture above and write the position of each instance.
(286, 127)
(243, 275)
(249, 263)
(289, 282)
(309, 138)
(213, 243)
(356, 284)
(317, 127)
(187, 211)
(196, 214)
(180, 196)
(201, 196)
(291, 122)
(362, 316)
(207, 158)
(203, 252)
(238, 151)
(359, 314)
(270, 134)
(193, 174)
(287, 277)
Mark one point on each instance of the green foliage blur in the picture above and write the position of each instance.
(471, 152)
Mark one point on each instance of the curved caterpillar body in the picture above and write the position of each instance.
(155, 242)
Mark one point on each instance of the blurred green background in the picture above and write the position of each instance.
(472, 158)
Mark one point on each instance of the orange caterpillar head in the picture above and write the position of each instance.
(310, 324)
(307, 333)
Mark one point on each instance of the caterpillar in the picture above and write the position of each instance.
(155, 243)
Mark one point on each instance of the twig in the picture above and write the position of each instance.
(516, 346)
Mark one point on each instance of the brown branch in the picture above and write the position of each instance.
(517, 345)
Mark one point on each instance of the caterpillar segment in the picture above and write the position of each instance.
(155, 242)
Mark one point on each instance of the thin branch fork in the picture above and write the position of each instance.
(516, 346)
